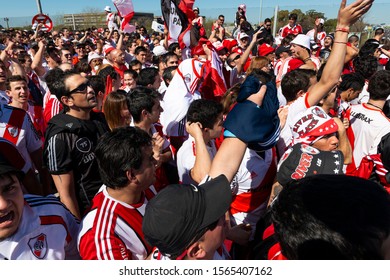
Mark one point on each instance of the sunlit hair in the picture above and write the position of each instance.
(114, 104)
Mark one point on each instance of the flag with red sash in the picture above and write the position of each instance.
(126, 12)
(178, 16)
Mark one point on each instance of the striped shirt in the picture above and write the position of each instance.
(112, 230)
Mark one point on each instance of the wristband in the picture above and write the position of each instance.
(345, 30)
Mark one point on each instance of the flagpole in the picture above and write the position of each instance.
(261, 10)
(39, 6)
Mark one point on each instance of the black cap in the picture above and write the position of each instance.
(10, 158)
(281, 49)
(178, 213)
(303, 160)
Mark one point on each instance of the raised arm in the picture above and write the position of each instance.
(347, 16)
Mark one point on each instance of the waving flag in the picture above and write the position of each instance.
(214, 85)
(178, 16)
(126, 12)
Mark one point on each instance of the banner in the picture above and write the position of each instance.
(126, 12)
(178, 16)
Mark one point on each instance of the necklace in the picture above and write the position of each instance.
(374, 106)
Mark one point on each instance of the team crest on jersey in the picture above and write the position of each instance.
(13, 131)
(187, 78)
(83, 145)
(38, 246)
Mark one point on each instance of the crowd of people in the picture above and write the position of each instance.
(241, 146)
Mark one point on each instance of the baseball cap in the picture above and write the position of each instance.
(80, 45)
(10, 159)
(219, 46)
(302, 160)
(180, 213)
(93, 55)
(159, 50)
(265, 49)
(302, 40)
(242, 35)
(107, 49)
(282, 49)
(229, 44)
(195, 9)
(311, 125)
(107, 9)
(322, 21)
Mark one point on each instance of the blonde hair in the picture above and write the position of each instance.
(257, 62)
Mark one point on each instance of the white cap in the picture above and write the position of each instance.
(107, 9)
(159, 50)
(242, 35)
(302, 40)
(93, 55)
(322, 21)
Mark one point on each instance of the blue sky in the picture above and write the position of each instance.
(209, 8)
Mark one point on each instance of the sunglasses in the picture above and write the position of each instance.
(81, 88)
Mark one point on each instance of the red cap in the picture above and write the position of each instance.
(265, 49)
(229, 44)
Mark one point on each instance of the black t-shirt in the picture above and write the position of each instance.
(69, 146)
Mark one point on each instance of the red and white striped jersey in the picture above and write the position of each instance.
(186, 156)
(296, 29)
(367, 127)
(286, 136)
(251, 187)
(182, 90)
(16, 126)
(47, 231)
(320, 36)
(112, 230)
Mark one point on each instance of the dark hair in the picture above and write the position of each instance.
(106, 71)
(173, 46)
(119, 151)
(353, 38)
(365, 65)
(14, 78)
(352, 80)
(147, 76)
(204, 111)
(142, 98)
(131, 72)
(82, 66)
(293, 82)
(369, 47)
(267, 20)
(379, 85)
(379, 31)
(52, 77)
(97, 83)
(140, 49)
(332, 217)
(293, 16)
(167, 56)
(167, 74)
(134, 62)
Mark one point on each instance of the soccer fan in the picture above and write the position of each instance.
(32, 227)
(204, 125)
(113, 227)
(292, 27)
(368, 124)
(70, 140)
(187, 222)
